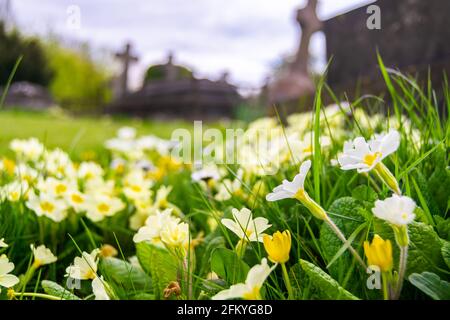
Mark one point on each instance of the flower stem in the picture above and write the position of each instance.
(385, 286)
(341, 236)
(401, 271)
(40, 295)
(287, 282)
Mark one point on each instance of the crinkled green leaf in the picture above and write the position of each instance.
(347, 215)
(446, 253)
(364, 193)
(439, 181)
(431, 284)
(228, 266)
(54, 289)
(328, 287)
(125, 275)
(443, 227)
(159, 263)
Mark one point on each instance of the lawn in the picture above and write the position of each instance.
(77, 135)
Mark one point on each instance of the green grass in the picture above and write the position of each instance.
(74, 134)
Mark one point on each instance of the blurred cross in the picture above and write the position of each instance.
(126, 58)
(309, 23)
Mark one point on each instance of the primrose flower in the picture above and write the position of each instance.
(46, 205)
(250, 290)
(3, 244)
(101, 206)
(42, 256)
(99, 289)
(15, 190)
(245, 227)
(84, 267)
(8, 166)
(291, 189)
(278, 246)
(296, 189)
(175, 235)
(76, 200)
(136, 187)
(364, 156)
(151, 231)
(30, 149)
(90, 170)
(54, 187)
(397, 210)
(7, 280)
(379, 253)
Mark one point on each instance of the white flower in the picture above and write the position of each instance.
(161, 201)
(290, 189)
(100, 206)
(174, 234)
(47, 205)
(136, 186)
(56, 188)
(42, 256)
(397, 210)
(210, 172)
(30, 149)
(250, 290)
(3, 244)
(364, 156)
(84, 267)
(58, 163)
(7, 280)
(228, 188)
(90, 171)
(99, 289)
(76, 200)
(245, 227)
(126, 133)
(151, 231)
(15, 190)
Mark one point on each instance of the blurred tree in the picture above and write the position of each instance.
(33, 68)
(79, 83)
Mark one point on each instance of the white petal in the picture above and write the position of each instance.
(8, 280)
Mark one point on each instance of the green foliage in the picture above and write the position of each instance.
(158, 72)
(78, 82)
(125, 276)
(159, 264)
(54, 289)
(34, 66)
(431, 284)
(228, 266)
(328, 288)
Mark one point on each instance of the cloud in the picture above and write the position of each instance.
(243, 37)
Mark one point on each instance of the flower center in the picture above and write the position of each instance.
(77, 199)
(252, 295)
(370, 158)
(136, 188)
(47, 206)
(103, 208)
(60, 188)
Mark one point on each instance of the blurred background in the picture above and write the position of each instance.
(210, 60)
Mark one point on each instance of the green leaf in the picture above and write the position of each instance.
(158, 263)
(228, 266)
(446, 253)
(440, 180)
(54, 289)
(364, 193)
(443, 227)
(328, 287)
(125, 275)
(347, 214)
(431, 284)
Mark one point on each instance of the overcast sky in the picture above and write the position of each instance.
(245, 37)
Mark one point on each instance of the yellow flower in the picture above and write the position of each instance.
(379, 253)
(278, 246)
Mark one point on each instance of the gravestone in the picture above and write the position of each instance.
(172, 91)
(414, 37)
(27, 95)
(126, 58)
(296, 81)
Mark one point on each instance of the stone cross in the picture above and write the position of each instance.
(296, 82)
(309, 23)
(126, 58)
